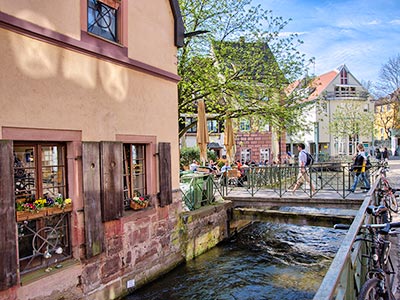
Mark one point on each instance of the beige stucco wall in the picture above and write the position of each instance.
(45, 86)
(151, 41)
(56, 15)
(148, 25)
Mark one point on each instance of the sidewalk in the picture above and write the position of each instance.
(394, 178)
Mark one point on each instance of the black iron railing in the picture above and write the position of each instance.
(200, 189)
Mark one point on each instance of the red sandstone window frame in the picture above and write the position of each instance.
(72, 141)
(149, 143)
(43, 239)
(122, 21)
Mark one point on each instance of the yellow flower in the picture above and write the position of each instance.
(40, 202)
(68, 201)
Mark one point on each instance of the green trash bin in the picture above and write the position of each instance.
(193, 191)
(198, 189)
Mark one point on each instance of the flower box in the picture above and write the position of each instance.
(58, 210)
(138, 206)
(30, 215)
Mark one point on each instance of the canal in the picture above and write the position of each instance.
(263, 261)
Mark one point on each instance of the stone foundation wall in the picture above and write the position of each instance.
(205, 228)
(139, 248)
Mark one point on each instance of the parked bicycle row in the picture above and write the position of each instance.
(379, 274)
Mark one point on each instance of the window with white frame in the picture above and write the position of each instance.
(212, 126)
(245, 155)
(189, 121)
(264, 154)
(244, 125)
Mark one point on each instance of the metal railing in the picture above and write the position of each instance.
(346, 274)
(326, 177)
(200, 189)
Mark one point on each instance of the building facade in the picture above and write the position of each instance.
(328, 94)
(88, 122)
(386, 130)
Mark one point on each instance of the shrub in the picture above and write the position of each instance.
(187, 155)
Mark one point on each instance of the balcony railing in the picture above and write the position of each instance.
(346, 94)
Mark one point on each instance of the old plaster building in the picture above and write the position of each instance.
(327, 93)
(386, 133)
(88, 122)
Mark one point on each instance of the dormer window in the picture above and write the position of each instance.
(103, 19)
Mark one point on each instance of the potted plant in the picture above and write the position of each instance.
(42, 207)
(29, 211)
(138, 203)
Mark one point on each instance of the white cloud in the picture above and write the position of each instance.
(289, 33)
(363, 34)
(374, 22)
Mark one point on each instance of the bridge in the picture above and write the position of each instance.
(266, 191)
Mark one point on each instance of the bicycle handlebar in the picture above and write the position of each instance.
(390, 225)
(341, 226)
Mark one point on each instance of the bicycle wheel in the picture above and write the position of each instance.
(391, 202)
(371, 290)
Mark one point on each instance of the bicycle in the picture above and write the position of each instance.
(380, 269)
(387, 194)
(380, 213)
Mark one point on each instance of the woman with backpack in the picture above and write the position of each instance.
(359, 169)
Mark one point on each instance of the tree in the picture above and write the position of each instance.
(385, 118)
(389, 78)
(350, 121)
(237, 76)
(388, 88)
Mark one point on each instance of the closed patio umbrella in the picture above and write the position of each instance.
(275, 147)
(229, 140)
(202, 131)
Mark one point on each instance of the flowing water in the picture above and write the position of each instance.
(264, 261)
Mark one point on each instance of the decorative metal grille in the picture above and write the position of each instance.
(44, 242)
(102, 20)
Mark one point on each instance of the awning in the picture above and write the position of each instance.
(214, 145)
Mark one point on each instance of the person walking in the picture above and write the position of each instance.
(385, 154)
(360, 162)
(303, 175)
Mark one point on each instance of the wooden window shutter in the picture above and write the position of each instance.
(111, 181)
(8, 236)
(94, 232)
(164, 151)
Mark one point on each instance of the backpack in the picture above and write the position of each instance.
(368, 164)
(310, 159)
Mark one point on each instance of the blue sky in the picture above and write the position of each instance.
(363, 34)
